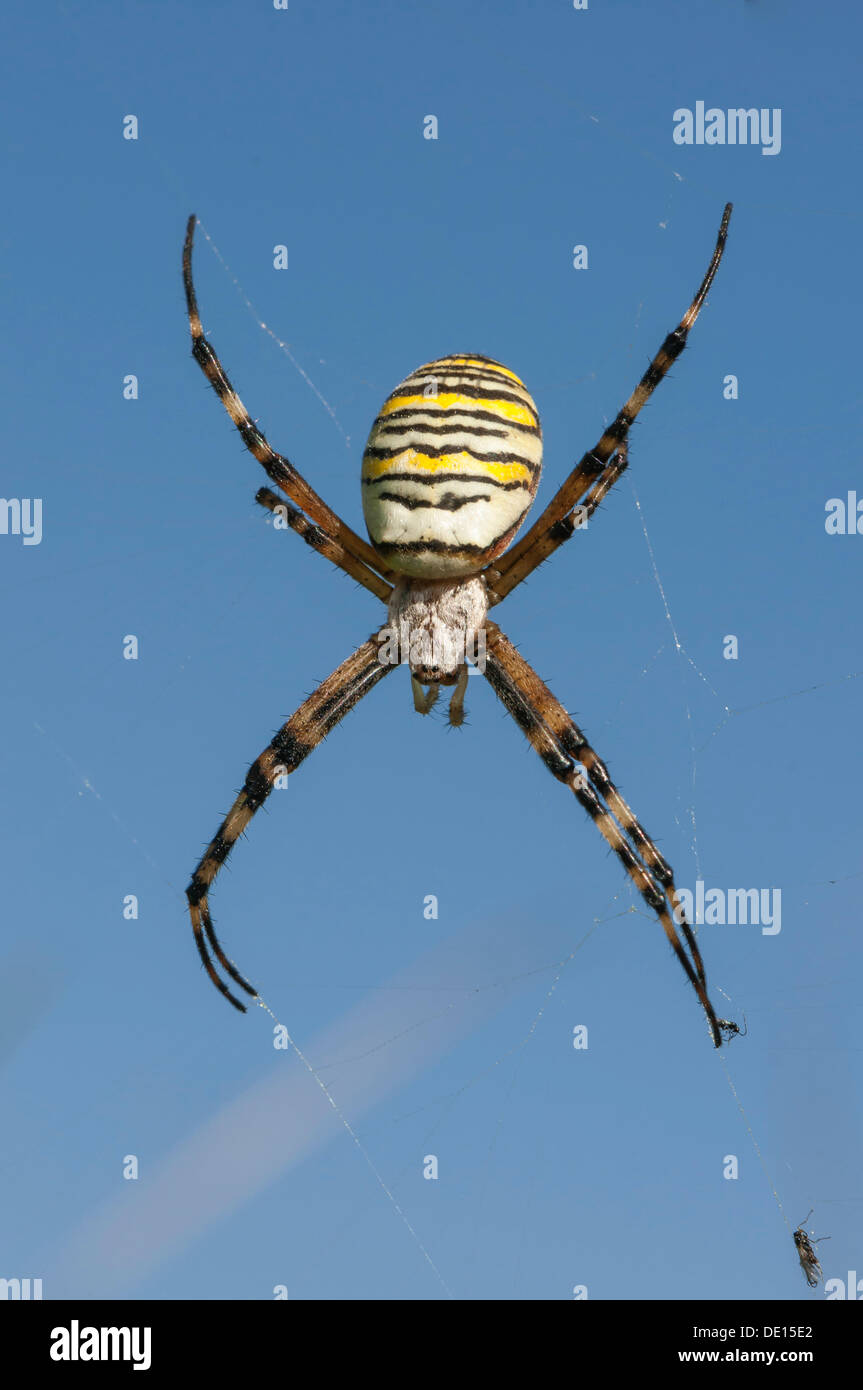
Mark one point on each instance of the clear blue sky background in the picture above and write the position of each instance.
(450, 1037)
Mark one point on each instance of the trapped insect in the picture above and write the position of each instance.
(730, 1029)
(449, 472)
(808, 1259)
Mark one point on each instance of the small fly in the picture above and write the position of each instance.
(809, 1262)
(729, 1029)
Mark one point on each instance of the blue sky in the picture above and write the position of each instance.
(451, 1037)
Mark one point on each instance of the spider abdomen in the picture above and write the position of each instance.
(451, 467)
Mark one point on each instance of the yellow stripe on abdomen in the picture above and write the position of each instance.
(451, 466)
(409, 460)
(446, 400)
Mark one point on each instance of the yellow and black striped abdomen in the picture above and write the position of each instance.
(451, 467)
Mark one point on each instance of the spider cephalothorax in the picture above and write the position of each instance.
(436, 626)
(450, 469)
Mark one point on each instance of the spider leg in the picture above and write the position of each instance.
(574, 743)
(296, 739)
(569, 757)
(529, 551)
(279, 469)
(561, 531)
(317, 538)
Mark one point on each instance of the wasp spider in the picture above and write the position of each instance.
(450, 469)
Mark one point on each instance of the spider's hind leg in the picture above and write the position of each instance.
(569, 757)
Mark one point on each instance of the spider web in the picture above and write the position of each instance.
(726, 713)
(339, 1054)
(386, 1033)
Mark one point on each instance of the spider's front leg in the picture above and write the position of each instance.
(291, 745)
(549, 529)
(502, 583)
(320, 541)
(277, 466)
(570, 758)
